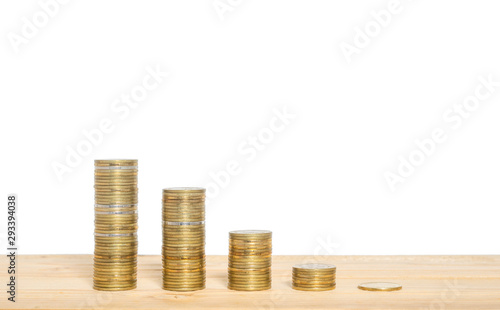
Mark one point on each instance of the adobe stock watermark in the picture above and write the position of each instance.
(449, 295)
(30, 27)
(453, 118)
(372, 28)
(325, 247)
(120, 110)
(223, 7)
(249, 150)
(96, 300)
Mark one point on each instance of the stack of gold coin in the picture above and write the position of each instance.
(313, 277)
(115, 255)
(250, 260)
(183, 251)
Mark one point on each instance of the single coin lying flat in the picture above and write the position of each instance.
(380, 286)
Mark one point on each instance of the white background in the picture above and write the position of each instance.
(319, 185)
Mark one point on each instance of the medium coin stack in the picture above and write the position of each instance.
(250, 260)
(115, 235)
(313, 277)
(183, 251)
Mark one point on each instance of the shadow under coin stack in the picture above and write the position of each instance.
(250, 260)
(183, 249)
(115, 254)
(313, 277)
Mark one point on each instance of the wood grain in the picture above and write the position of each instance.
(429, 282)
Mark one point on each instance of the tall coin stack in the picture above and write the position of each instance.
(250, 260)
(183, 251)
(313, 277)
(115, 235)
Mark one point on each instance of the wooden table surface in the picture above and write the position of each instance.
(429, 282)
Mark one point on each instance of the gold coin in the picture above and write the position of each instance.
(314, 288)
(250, 276)
(183, 206)
(186, 233)
(126, 287)
(183, 200)
(242, 273)
(194, 286)
(251, 255)
(115, 230)
(123, 274)
(255, 247)
(105, 266)
(244, 246)
(170, 277)
(115, 252)
(189, 275)
(250, 234)
(248, 258)
(116, 240)
(314, 267)
(183, 250)
(172, 286)
(183, 196)
(113, 162)
(314, 283)
(199, 250)
(115, 183)
(249, 243)
(248, 288)
(183, 289)
(116, 201)
(380, 286)
(172, 242)
(110, 282)
(194, 218)
(319, 277)
(184, 229)
(184, 189)
(248, 266)
(192, 264)
(249, 283)
(115, 175)
(126, 178)
(177, 257)
(114, 280)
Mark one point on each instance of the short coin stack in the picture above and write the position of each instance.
(250, 260)
(115, 235)
(313, 277)
(183, 249)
